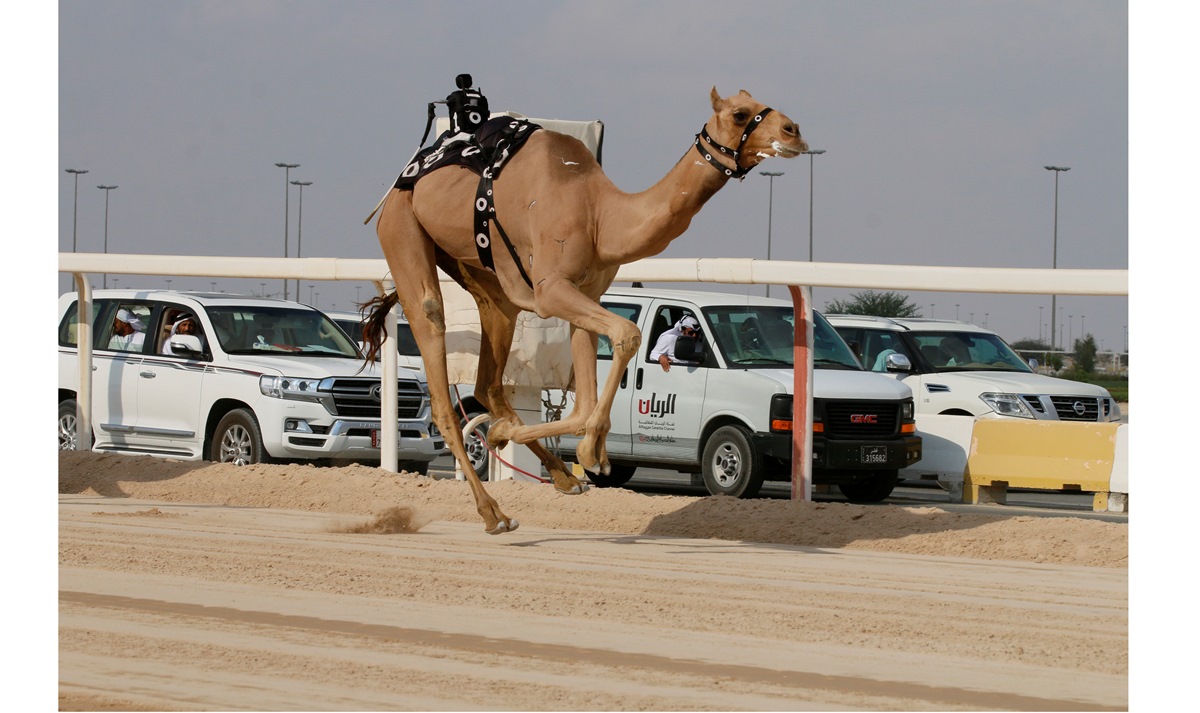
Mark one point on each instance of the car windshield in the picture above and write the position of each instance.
(406, 344)
(967, 351)
(261, 329)
(761, 336)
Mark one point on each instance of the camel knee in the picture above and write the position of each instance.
(432, 308)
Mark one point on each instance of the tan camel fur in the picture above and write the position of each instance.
(573, 229)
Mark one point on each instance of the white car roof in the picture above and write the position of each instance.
(904, 324)
(207, 299)
(701, 298)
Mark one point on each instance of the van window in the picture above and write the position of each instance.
(604, 348)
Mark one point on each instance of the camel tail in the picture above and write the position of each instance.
(376, 311)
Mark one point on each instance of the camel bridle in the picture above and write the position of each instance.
(735, 154)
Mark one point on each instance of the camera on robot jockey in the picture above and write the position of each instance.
(468, 107)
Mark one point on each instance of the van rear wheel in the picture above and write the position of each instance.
(618, 475)
(731, 465)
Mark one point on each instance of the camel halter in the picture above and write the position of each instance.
(735, 154)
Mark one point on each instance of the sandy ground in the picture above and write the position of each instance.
(191, 586)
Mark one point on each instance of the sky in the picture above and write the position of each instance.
(937, 118)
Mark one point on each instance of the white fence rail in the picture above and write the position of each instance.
(711, 270)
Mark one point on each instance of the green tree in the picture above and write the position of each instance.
(878, 304)
(1085, 354)
(1030, 345)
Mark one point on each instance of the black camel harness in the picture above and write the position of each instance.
(485, 152)
(735, 154)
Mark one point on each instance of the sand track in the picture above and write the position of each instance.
(192, 586)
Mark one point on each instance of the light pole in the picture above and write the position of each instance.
(287, 172)
(1054, 264)
(1041, 321)
(300, 224)
(811, 153)
(75, 220)
(770, 210)
(107, 190)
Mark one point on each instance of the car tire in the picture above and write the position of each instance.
(238, 440)
(618, 475)
(68, 426)
(731, 465)
(420, 467)
(476, 445)
(874, 489)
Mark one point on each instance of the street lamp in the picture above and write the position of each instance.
(770, 209)
(107, 190)
(287, 172)
(75, 220)
(300, 225)
(1054, 298)
(810, 153)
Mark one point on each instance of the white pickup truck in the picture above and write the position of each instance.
(258, 380)
(729, 418)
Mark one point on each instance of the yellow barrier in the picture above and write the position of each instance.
(1049, 455)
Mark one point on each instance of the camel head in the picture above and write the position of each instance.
(748, 131)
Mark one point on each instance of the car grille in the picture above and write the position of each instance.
(359, 398)
(861, 419)
(1076, 408)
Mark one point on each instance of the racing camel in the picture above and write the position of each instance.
(570, 229)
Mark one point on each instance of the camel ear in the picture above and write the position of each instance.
(716, 100)
(743, 91)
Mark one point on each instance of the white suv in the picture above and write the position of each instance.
(957, 368)
(258, 380)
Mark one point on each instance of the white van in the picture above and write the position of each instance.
(257, 380)
(729, 417)
(958, 368)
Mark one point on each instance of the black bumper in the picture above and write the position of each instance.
(839, 454)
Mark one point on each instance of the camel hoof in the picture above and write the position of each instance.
(504, 526)
(573, 490)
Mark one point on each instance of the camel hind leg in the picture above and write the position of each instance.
(410, 254)
(497, 321)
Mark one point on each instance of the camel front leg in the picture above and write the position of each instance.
(561, 298)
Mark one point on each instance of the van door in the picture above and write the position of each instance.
(666, 407)
(619, 440)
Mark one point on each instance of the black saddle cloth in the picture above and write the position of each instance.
(490, 147)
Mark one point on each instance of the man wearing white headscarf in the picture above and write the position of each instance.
(129, 333)
(664, 348)
(184, 325)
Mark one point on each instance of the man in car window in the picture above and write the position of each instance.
(185, 325)
(129, 333)
(664, 348)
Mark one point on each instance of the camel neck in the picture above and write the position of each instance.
(647, 222)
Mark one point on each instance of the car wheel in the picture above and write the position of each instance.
(731, 466)
(238, 440)
(618, 475)
(874, 489)
(476, 445)
(68, 426)
(420, 467)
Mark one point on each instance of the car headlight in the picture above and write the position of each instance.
(906, 410)
(1007, 405)
(288, 387)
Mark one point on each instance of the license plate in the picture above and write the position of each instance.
(375, 438)
(871, 455)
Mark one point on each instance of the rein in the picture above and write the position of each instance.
(735, 154)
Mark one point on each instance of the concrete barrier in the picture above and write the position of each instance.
(1047, 455)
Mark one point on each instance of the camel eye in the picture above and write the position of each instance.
(741, 116)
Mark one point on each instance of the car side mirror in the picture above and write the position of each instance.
(187, 345)
(689, 349)
(898, 362)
